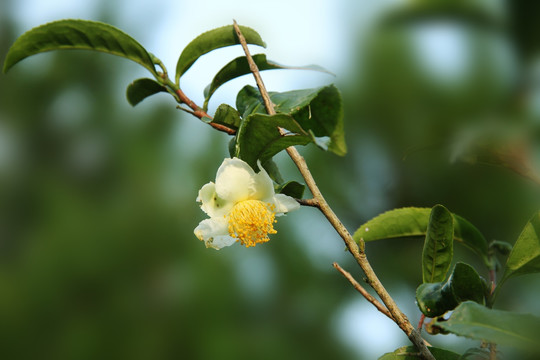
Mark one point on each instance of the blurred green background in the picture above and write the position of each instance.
(97, 199)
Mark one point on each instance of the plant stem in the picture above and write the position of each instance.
(197, 111)
(363, 291)
(357, 252)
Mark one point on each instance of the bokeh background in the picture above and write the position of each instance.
(97, 199)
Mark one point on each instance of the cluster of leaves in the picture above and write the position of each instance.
(303, 116)
(462, 291)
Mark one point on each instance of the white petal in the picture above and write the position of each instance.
(263, 187)
(285, 204)
(214, 233)
(234, 179)
(211, 203)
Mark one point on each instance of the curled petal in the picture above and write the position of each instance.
(234, 179)
(214, 232)
(284, 204)
(212, 205)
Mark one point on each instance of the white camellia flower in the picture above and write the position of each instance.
(242, 206)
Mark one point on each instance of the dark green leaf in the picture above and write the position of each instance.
(475, 321)
(228, 116)
(435, 299)
(318, 111)
(293, 189)
(413, 222)
(438, 245)
(211, 40)
(273, 171)
(258, 137)
(410, 353)
(140, 89)
(78, 34)
(240, 66)
(465, 284)
(525, 255)
(232, 147)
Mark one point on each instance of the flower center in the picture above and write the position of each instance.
(251, 221)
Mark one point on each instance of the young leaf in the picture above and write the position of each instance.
(140, 89)
(78, 34)
(211, 40)
(318, 111)
(465, 284)
(433, 301)
(410, 353)
(525, 255)
(475, 321)
(438, 245)
(438, 298)
(258, 137)
(227, 115)
(240, 66)
(413, 222)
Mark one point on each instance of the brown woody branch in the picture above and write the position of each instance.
(357, 252)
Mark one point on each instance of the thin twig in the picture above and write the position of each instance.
(200, 113)
(421, 323)
(255, 71)
(308, 202)
(363, 291)
(357, 252)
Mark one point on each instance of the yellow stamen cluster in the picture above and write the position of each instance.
(251, 221)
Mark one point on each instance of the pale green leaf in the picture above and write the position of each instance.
(525, 255)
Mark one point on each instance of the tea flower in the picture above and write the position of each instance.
(242, 206)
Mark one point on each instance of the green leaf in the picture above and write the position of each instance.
(140, 89)
(435, 299)
(228, 116)
(465, 284)
(438, 245)
(240, 66)
(319, 111)
(413, 222)
(273, 171)
(292, 188)
(258, 137)
(211, 40)
(475, 321)
(410, 353)
(78, 34)
(525, 255)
